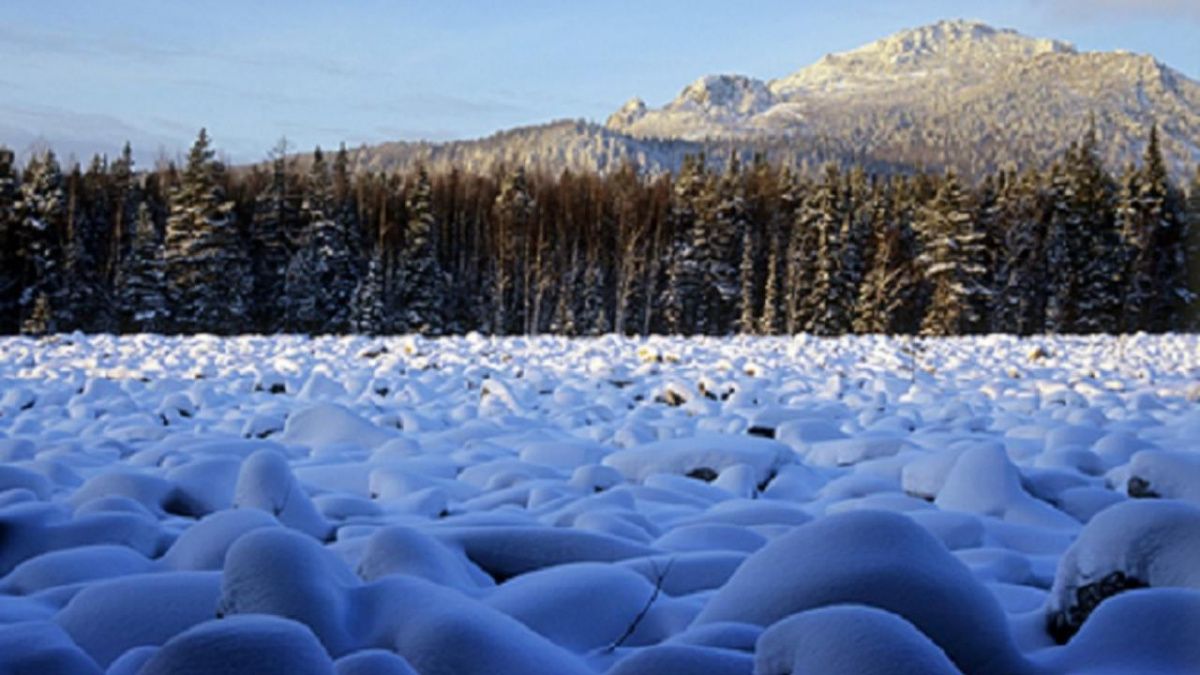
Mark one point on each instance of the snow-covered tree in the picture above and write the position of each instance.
(801, 270)
(1095, 250)
(951, 263)
(830, 299)
(369, 312)
(324, 272)
(1153, 237)
(10, 262)
(719, 251)
(1192, 237)
(86, 303)
(1062, 224)
(207, 271)
(685, 273)
(513, 213)
(888, 293)
(419, 297)
(43, 217)
(141, 281)
(1018, 305)
(275, 226)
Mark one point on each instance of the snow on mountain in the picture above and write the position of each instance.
(955, 93)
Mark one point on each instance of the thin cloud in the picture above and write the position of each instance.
(57, 43)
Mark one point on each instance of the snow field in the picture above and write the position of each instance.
(544, 505)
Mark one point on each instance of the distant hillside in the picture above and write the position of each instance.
(956, 93)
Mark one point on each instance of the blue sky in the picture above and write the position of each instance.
(86, 75)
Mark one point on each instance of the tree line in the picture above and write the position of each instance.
(307, 245)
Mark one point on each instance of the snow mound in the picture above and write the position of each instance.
(701, 453)
(328, 425)
(550, 602)
(684, 660)
(36, 647)
(848, 640)
(878, 559)
(266, 483)
(242, 645)
(1129, 545)
(108, 618)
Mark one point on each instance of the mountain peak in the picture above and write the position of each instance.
(966, 47)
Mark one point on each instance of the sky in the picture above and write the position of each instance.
(83, 76)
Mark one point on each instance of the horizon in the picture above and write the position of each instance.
(458, 72)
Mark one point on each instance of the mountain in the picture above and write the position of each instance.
(956, 94)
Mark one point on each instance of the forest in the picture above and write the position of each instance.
(303, 244)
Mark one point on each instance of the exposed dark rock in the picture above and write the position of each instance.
(1063, 625)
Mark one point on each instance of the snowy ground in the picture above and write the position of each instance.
(524, 506)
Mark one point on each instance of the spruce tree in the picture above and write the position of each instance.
(275, 225)
(86, 302)
(10, 262)
(513, 213)
(720, 251)
(748, 321)
(685, 272)
(141, 280)
(802, 260)
(1096, 262)
(1019, 302)
(1061, 226)
(951, 263)
(1192, 237)
(369, 313)
(126, 200)
(1153, 239)
(830, 299)
(207, 271)
(420, 291)
(324, 273)
(888, 293)
(43, 217)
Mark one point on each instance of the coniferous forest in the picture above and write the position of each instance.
(303, 244)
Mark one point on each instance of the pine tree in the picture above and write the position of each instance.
(10, 262)
(631, 250)
(324, 272)
(420, 282)
(831, 300)
(1192, 313)
(888, 293)
(127, 199)
(86, 303)
(720, 251)
(207, 274)
(43, 220)
(369, 313)
(593, 315)
(748, 321)
(274, 228)
(1062, 225)
(513, 213)
(1152, 234)
(951, 263)
(563, 321)
(861, 202)
(685, 273)
(802, 259)
(1019, 302)
(1095, 263)
(141, 280)
(774, 203)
